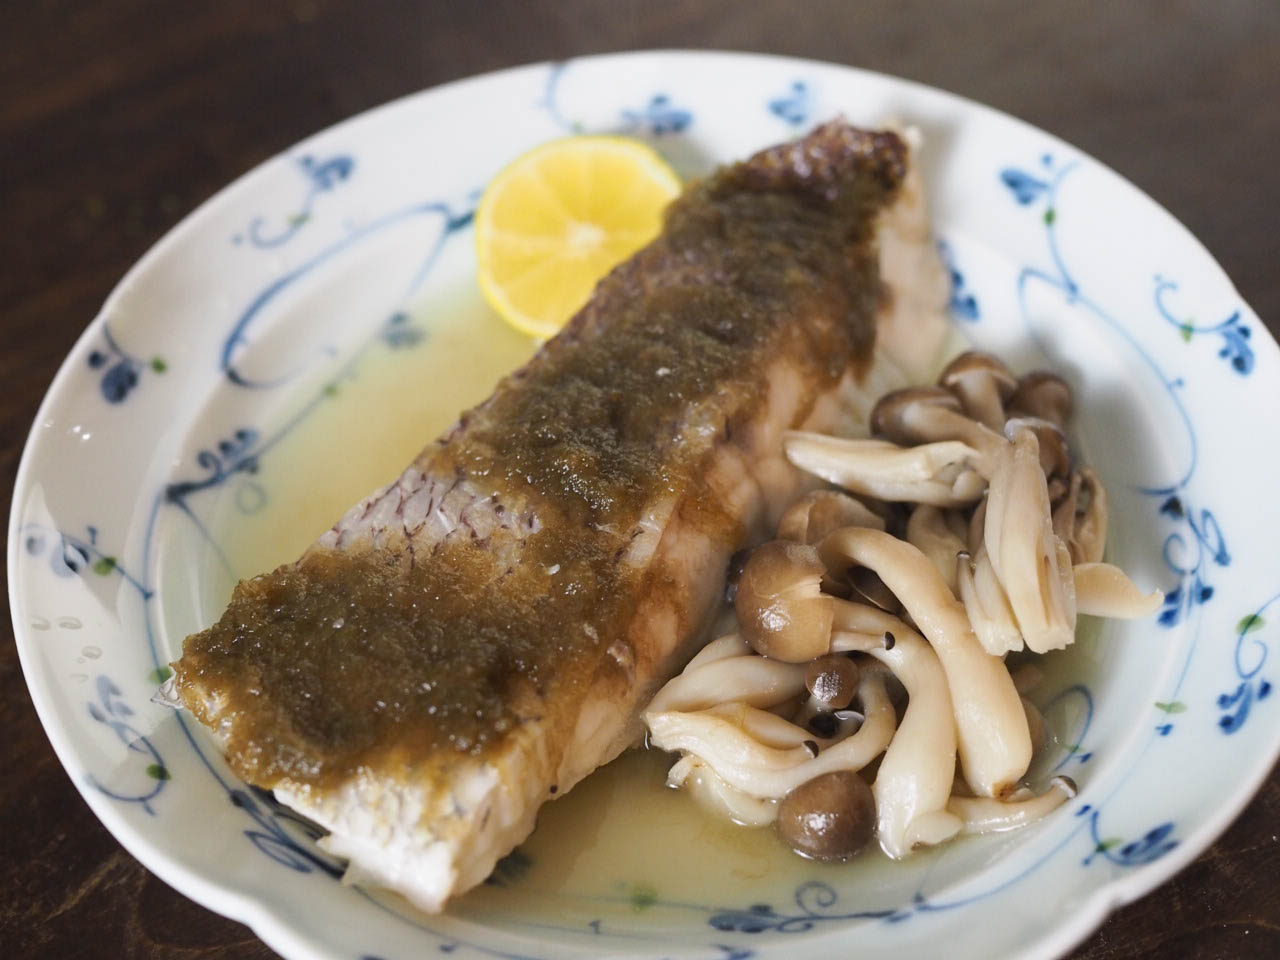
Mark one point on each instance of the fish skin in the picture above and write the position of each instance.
(430, 820)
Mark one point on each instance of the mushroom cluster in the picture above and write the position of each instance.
(962, 531)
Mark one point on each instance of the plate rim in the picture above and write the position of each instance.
(270, 923)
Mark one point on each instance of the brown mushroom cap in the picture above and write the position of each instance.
(983, 385)
(831, 817)
(781, 609)
(812, 517)
(888, 413)
(1045, 395)
(1055, 452)
(832, 680)
(865, 585)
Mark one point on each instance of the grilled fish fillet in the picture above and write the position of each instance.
(478, 636)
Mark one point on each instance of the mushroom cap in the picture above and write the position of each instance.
(781, 609)
(888, 414)
(812, 517)
(865, 584)
(831, 817)
(832, 680)
(1045, 395)
(1055, 451)
(976, 366)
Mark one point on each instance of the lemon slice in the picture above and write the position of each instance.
(559, 218)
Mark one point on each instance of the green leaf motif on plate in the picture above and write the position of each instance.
(1249, 624)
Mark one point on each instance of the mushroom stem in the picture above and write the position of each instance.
(757, 681)
(759, 771)
(877, 468)
(923, 415)
(1103, 590)
(928, 530)
(976, 524)
(914, 780)
(984, 815)
(713, 794)
(1018, 535)
(769, 728)
(986, 604)
(995, 745)
(982, 383)
(722, 648)
(1091, 530)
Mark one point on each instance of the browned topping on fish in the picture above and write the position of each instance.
(484, 630)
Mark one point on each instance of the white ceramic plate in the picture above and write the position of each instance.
(231, 383)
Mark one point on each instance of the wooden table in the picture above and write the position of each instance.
(116, 119)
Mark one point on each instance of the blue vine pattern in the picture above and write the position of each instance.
(814, 901)
(322, 176)
(274, 841)
(115, 713)
(964, 302)
(120, 370)
(795, 105)
(1188, 557)
(71, 556)
(1153, 845)
(1206, 537)
(657, 117)
(452, 222)
(1235, 335)
(1252, 687)
(1073, 750)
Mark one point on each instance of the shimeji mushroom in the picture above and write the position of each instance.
(983, 385)
(927, 415)
(754, 680)
(936, 473)
(831, 817)
(782, 611)
(995, 746)
(770, 728)
(832, 682)
(1089, 542)
(985, 602)
(1045, 395)
(1055, 452)
(1018, 535)
(929, 531)
(713, 794)
(746, 764)
(1104, 590)
(730, 645)
(985, 815)
(815, 515)
(914, 780)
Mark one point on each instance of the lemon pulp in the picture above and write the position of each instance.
(559, 218)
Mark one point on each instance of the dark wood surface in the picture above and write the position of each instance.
(116, 119)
